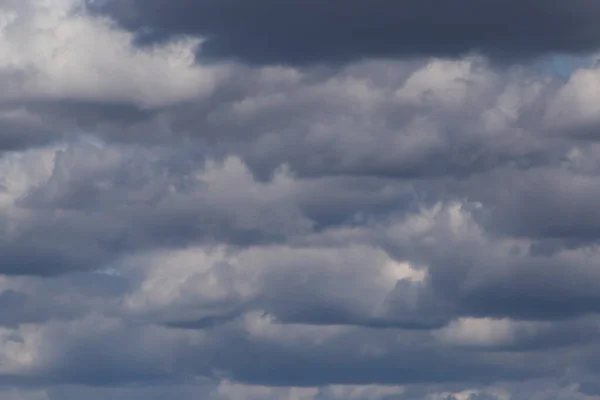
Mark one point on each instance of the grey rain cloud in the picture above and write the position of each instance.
(321, 201)
(301, 31)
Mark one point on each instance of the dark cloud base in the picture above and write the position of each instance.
(306, 32)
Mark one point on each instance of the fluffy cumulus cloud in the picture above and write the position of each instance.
(299, 200)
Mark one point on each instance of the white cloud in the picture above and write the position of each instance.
(447, 83)
(476, 332)
(20, 349)
(577, 102)
(55, 53)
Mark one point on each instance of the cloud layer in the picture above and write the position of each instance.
(300, 32)
(235, 206)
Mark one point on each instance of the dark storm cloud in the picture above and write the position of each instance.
(525, 287)
(554, 205)
(39, 300)
(22, 130)
(253, 360)
(89, 114)
(31, 124)
(14, 137)
(301, 32)
(208, 322)
(103, 352)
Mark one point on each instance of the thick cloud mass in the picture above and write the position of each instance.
(307, 31)
(418, 222)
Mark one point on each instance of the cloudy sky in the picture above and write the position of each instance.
(299, 199)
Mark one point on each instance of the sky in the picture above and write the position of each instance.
(299, 199)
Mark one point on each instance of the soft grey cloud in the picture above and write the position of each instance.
(397, 226)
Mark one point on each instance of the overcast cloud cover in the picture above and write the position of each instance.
(299, 199)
